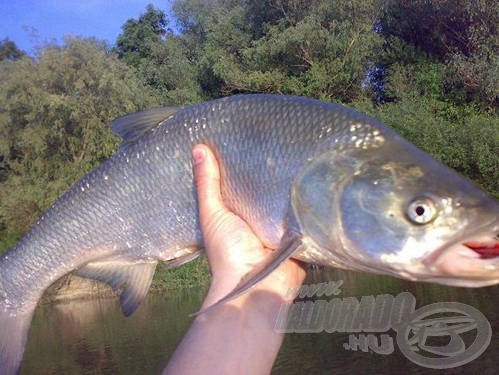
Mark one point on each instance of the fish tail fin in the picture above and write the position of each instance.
(14, 326)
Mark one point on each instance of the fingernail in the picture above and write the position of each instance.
(198, 155)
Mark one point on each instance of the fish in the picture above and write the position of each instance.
(316, 181)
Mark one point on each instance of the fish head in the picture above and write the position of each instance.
(396, 210)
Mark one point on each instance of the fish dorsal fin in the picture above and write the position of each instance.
(290, 244)
(132, 127)
(132, 277)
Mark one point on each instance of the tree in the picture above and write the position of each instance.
(461, 34)
(53, 124)
(140, 36)
(319, 48)
(160, 58)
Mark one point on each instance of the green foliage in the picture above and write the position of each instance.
(139, 36)
(461, 35)
(159, 57)
(191, 274)
(53, 124)
(318, 48)
(440, 27)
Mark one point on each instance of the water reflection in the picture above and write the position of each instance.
(93, 337)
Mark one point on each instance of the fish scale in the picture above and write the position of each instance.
(293, 168)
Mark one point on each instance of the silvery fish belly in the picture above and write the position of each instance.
(316, 181)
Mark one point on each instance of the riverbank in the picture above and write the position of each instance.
(73, 287)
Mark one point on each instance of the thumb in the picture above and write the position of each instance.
(207, 180)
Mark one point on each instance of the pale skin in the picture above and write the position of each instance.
(237, 337)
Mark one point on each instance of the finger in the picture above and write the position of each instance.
(207, 179)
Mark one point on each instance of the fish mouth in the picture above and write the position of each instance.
(473, 262)
(485, 248)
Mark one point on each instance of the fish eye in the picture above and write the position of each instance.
(421, 211)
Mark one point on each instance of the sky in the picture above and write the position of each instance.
(31, 23)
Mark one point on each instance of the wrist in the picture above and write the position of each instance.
(273, 290)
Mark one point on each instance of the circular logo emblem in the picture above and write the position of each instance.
(435, 342)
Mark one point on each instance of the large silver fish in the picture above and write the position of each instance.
(316, 181)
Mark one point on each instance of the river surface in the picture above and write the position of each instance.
(92, 336)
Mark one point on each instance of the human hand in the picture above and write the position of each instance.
(232, 248)
(237, 328)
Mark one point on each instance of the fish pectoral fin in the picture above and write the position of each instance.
(132, 127)
(133, 278)
(290, 244)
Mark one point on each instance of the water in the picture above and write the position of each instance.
(92, 336)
